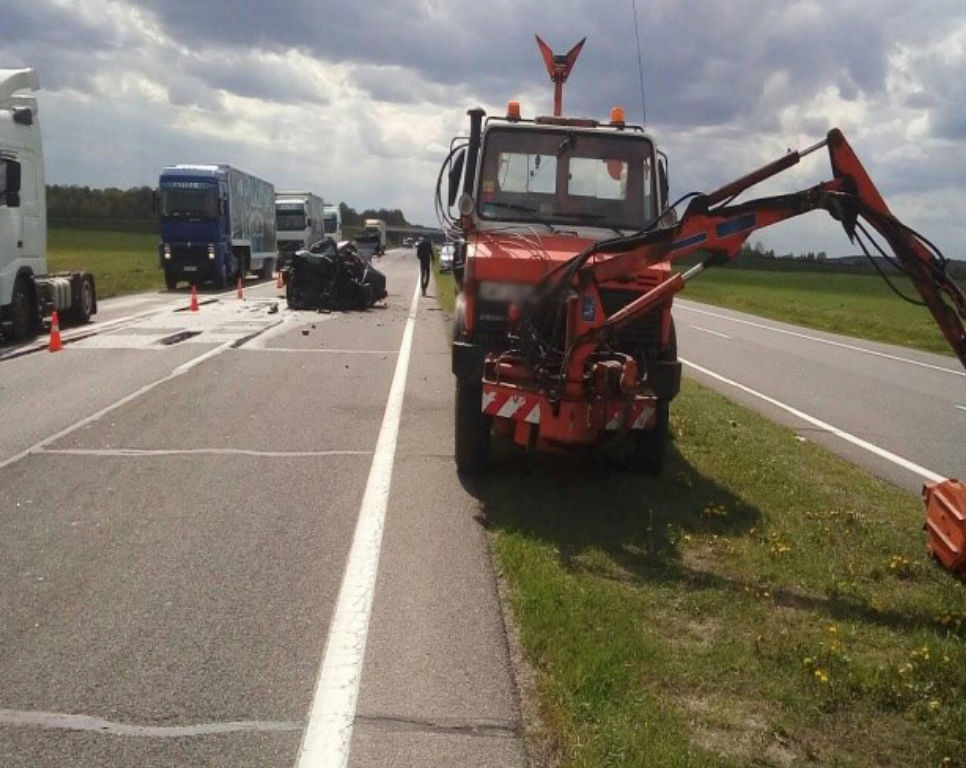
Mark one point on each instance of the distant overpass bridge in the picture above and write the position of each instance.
(395, 234)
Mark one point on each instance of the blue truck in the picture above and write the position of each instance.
(217, 224)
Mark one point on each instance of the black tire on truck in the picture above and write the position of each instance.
(170, 280)
(24, 317)
(268, 269)
(472, 428)
(221, 277)
(81, 313)
(649, 448)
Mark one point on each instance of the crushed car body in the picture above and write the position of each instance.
(332, 276)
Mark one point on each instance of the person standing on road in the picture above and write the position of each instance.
(425, 253)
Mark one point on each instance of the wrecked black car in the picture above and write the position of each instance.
(332, 276)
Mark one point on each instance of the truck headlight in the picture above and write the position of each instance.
(167, 251)
(211, 252)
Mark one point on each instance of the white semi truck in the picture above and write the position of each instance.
(27, 294)
(333, 222)
(299, 222)
(371, 241)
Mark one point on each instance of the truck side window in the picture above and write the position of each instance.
(3, 182)
(10, 183)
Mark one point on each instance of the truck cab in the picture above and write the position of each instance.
(333, 223)
(536, 194)
(23, 229)
(299, 223)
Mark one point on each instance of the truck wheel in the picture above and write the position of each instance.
(268, 269)
(23, 311)
(221, 279)
(472, 429)
(649, 447)
(81, 314)
(170, 280)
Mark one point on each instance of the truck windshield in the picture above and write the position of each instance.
(287, 219)
(189, 200)
(331, 223)
(567, 176)
(369, 233)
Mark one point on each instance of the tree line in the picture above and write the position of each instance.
(71, 202)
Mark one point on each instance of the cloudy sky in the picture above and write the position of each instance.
(358, 100)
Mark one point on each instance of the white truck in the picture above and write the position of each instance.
(299, 222)
(27, 294)
(333, 222)
(372, 240)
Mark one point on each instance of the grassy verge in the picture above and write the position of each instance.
(121, 262)
(763, 603)
(445, 288)
(853, 304)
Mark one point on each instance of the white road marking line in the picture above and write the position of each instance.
(72, 722)
(196, 451)
(181, 369)
(961, 407)
(848, 437)
(321, 351)
(708, 330)
(328, 731)
(820, 340)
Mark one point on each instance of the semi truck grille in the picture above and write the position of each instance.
(193, 254)
(491, 323)
(643, 333)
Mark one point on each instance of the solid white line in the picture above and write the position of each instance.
(848, 437)
(708, 330)
(196, 451)
(321, 351)
(961, 407)
(820, 340)
(181, 369)
(328, 732)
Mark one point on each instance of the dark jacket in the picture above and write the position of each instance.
(424, 250)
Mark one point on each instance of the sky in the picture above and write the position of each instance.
(357, 101)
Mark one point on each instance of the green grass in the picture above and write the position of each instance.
(121, 262)
(445, 287)
(852, 304)
(764, 602)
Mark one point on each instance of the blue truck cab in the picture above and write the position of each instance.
(216, 224)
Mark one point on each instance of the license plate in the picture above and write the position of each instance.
(190, 269)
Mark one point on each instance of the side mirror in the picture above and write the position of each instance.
(455, 174)
(13, 184)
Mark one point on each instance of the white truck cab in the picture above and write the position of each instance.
(26, 294)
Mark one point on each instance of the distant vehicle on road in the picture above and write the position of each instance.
(372, 240)
(299, 222)
(333, 223)
(446, 253)
(217, 223)
(27, 295)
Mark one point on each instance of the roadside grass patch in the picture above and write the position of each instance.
(851, 304)
(764, 602)
(445, 288)
(121, 262)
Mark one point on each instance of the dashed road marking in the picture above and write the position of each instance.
(708, 330)
(328, 733)
(820, 340)
(136, 452)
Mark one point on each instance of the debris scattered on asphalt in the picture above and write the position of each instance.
(305, 331)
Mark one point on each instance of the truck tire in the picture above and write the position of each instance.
(649, 447)
(24, 316)
(221, 277)
(472, 429)
(170, 280)
(268, 269)
(81, 313)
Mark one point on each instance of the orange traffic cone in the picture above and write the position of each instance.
(278, 283)
(194, 299)
(55, 343)
(241, 289)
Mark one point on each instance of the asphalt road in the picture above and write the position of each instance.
(180, 497)
(875, 404)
